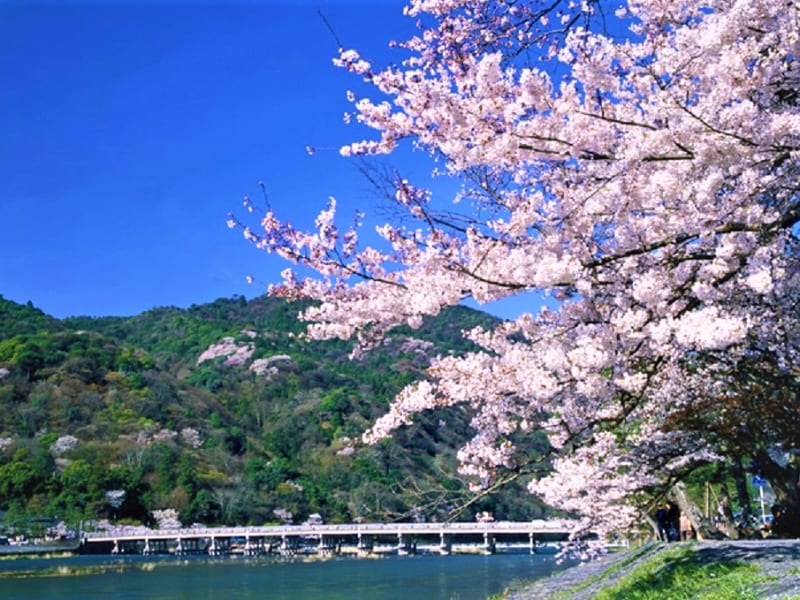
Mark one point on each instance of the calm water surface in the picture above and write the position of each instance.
(463, 577)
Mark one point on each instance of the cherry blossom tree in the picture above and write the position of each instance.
(638, 163)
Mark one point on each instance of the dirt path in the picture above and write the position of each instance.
(777, 558)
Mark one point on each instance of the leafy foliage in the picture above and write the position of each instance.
(114, 418)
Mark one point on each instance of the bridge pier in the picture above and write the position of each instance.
(218, 547)
(157, 546)
(254, 546)
(404, 546)
(532, 542)
(184, 546)
(365, 544)
(328, 545)
(125, 547)
(289, 545)
(489, 544)
(445, 544)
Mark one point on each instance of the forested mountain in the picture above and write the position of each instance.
(226, 414)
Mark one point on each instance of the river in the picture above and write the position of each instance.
(431, 577)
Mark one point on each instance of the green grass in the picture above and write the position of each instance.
(677, 574)
(630, 556)
(674, 573)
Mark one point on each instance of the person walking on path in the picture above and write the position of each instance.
(662, 521)
(686, 528)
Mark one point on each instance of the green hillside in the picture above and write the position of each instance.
(117, 417)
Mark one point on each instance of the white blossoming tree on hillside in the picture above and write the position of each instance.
(639, 163)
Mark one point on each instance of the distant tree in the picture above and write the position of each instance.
(29, 358)
(18, 482)
(81, 493)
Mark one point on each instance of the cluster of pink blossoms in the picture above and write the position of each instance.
(639, 165)
(236, 353)
(239, 353)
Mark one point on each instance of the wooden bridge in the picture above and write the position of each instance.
(352, 538)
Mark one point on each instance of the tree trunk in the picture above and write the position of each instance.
(784, 482)
(725, 499)
(783, 479)
(703, 527)
(742, 494)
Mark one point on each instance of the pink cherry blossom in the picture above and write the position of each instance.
(639, 164)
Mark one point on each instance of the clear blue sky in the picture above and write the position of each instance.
(130, 129)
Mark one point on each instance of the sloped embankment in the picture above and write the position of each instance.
(763, 569)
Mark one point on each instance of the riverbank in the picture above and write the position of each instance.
(55, 548)
(758, 569)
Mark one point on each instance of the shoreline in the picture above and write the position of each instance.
(14, 550)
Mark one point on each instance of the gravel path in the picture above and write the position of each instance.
(777, 558)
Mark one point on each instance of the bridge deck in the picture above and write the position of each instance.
(500, 528)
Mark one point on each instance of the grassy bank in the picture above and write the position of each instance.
(760, 570)
(679, 573)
